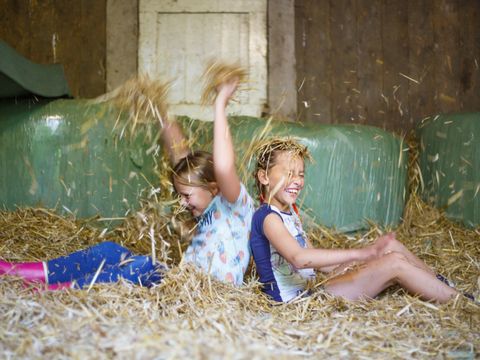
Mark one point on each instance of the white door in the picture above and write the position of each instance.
(177, 38)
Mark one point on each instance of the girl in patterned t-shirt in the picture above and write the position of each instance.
(285, 260)
(209, 188)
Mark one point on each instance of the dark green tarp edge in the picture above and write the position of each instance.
(21, 77)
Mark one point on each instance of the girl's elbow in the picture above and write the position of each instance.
(223, 165)
(221, 170)
(299, 261)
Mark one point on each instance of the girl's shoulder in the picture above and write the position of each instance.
(263, 211)
(257, 234)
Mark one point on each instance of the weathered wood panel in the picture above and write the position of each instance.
(60, 31)
(343, 29)
(387, 63)
(395, 62)
(446, 47)
(177, 39)
(314, 95)
(122, 42)
(282, 74)
(469, 13)
(422, 90)
(370, 63)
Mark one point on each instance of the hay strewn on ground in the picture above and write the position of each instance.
(192, 315)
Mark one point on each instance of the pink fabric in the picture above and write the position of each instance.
(38, 287)
(59, 286)
(29, 271)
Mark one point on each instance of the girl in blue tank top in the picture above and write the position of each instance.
(286, 261)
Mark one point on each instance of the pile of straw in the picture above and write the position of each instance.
(192, 315)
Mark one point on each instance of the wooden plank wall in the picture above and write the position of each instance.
(386, 63)
(60, 31)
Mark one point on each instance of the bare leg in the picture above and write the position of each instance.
(376, 275)
(389, 243)
(385, 244)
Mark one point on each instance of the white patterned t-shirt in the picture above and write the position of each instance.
(220, 244)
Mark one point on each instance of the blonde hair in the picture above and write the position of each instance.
(267, 153)
(195, 169)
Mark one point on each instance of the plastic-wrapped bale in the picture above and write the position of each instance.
(450, 165)
(358, 175)
(64, 154)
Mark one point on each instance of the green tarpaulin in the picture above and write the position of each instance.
(63, 154)
(450, 165)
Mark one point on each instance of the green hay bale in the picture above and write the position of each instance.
(79, 157)
(450, 165)
(64, 155)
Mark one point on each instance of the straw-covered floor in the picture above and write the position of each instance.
(192, 315)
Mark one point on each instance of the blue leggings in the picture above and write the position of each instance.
(81, 266)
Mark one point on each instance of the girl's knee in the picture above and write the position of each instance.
(395, 261)
(391, 242)
(395, 256)
(392, 265)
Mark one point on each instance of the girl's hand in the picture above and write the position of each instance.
(225, 91)
(370, 252)
(380, 247)
(383, 243)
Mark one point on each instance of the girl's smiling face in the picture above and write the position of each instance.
(284, 180)
(194, 181)
(195, 198)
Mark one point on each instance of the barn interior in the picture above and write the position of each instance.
(385, 94)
